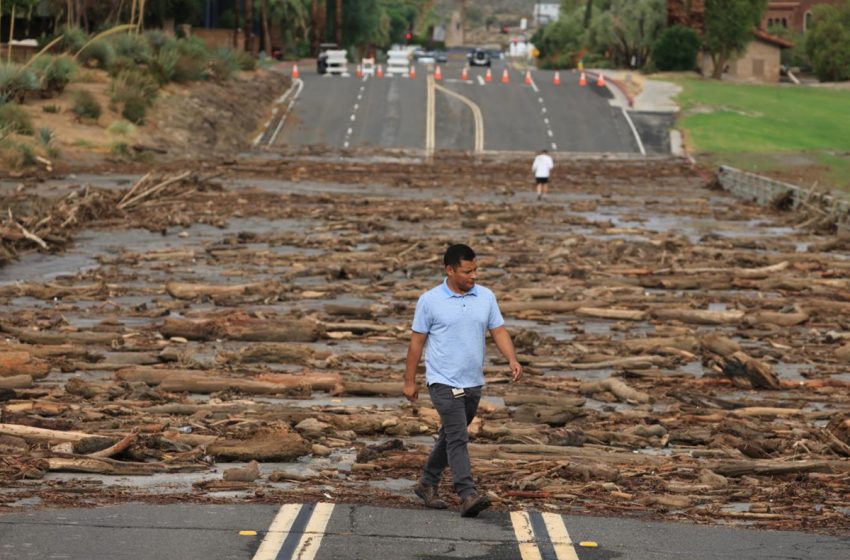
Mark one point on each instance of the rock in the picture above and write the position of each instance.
(248, 473)
(320, 450)
(312, 428)
(712, 479)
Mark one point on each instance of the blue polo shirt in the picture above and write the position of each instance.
(456, 325)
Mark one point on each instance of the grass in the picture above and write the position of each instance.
(774, 128)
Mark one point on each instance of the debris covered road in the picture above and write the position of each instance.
(686, 353)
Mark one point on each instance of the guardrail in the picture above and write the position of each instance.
(767, 192)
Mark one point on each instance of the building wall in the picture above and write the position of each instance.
(791, 15)
(760, 63)
(214, 38)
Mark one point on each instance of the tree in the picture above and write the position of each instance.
(628, 30)
(676, 49)
(729, 29)
(828, 42)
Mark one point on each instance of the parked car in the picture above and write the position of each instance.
(479, 57)
(425, 57)
(322, 60)
(441, 57)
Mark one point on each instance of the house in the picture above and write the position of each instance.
(546, 13)
(760, 62)
(687, 13)
(796, 16)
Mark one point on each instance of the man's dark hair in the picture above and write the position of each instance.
(457, 253)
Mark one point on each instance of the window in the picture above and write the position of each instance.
(807, 21)
(785, 23)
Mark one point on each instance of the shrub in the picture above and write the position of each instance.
(86, 106)
(223, 64)
(27, 155)
(676, 49)
(163, 65)
(192, 64)
(121, 128)
(135, 109)
(54, 73)
(45, 136)
(132, 46)
(16, 83)
(120, 148)
(73, 39)
(99, 54)
(246, 61)
(828, 42)
(134, 84)
(158, 40)
(14, 119)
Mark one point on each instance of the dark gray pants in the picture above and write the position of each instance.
(451, 447)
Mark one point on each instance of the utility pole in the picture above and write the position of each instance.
(338, 23)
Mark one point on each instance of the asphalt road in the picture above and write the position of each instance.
(390, 112)
(326, 532)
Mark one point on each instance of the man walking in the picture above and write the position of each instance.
(541, 168)
(453, 319)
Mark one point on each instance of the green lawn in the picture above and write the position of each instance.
(769, 127)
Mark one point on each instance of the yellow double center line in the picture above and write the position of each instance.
(528, 541)
(430, 117)
(297, 543)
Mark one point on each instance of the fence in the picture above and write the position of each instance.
(765, 192)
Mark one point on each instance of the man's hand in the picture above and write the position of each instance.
(516, 370)
(411, 391)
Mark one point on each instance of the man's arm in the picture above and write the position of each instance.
(414, 354)
(506, 347)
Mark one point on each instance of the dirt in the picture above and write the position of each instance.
(187, 122)
(685, 352)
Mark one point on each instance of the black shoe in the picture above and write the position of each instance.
(473, 505)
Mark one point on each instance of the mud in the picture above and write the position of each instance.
(686, 353)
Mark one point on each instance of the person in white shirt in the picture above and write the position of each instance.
(541, 167)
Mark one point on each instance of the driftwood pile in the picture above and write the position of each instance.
(686, 354)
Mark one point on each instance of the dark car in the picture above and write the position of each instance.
(479, 57)
(441, 56)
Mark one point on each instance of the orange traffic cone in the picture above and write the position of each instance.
(295, 72)
(557, 79)
(464, 74)
(359, 71)
(528, 77)
(582, 80)
(412, 71)
(438, 74)
(601, 80)
(488, 77)
(505, 77)
(380, 72)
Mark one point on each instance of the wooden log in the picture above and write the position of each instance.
(617, 387)
(30, 433)
(243, 328)
(330, 382)
(628, 362)
(551, 415)
(774, 318)
(22, 363)
(16, 382)
(748, 372)
(719, 344)
(351, 311)
(372, 388)
(517, 399)
(357, 327)
(699, 316)
(186, 290)
(119, 468)
(43, 337)
(47, 351)
(593, 453)
(651, 345)
(265, 445)
(115, 449)
(548, 306)
(771, 467)
(612, 313)
(270, 352)
(202, 384)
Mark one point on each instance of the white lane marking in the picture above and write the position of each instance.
(634, 131)
(430, 116)
(525, 536)
(277, 532)
(540, 99)
(554, 146)
(550, 132)
(313, 533)
(543, 110)
(353, 117)
(350, 130)
(559, 537)
(480, 80)
(536, 89)
(356, 106)
(345, 145)
(546, 120)
(298, 84)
